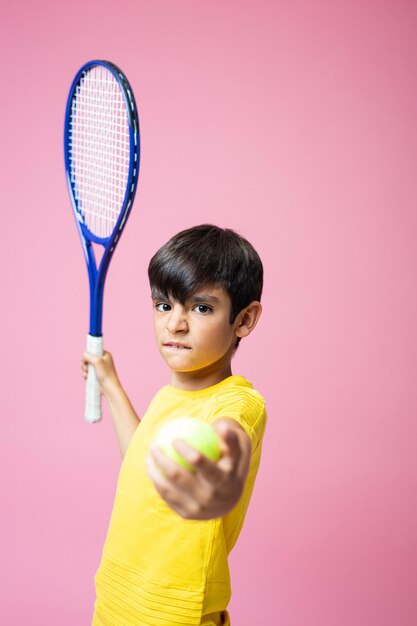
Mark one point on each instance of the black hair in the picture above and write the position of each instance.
(207, 255)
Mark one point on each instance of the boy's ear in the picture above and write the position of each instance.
(248, 318)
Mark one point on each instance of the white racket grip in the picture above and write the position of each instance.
(92, 397)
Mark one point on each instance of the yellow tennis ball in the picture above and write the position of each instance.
(197, 434)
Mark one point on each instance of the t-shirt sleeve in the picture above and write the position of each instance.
(247, 407)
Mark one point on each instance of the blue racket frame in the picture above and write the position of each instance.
(96, 275)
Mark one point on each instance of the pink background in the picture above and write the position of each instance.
(294, 123)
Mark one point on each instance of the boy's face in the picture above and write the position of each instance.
(196, 337)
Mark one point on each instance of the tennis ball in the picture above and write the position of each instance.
(197, 434)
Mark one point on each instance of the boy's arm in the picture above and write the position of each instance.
(125, 419)
(215, 488)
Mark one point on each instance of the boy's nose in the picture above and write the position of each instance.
(177, 321)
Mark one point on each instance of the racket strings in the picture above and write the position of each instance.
(99, 147)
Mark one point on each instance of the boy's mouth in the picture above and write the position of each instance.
(178, 346)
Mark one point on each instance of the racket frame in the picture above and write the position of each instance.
(97, 275)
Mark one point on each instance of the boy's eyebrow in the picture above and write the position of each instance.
(198, 297)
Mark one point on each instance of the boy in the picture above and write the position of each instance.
(164, 561)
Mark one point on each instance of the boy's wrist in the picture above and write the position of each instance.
(112, 388)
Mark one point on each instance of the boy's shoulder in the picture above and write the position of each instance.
(242, 402)
(239, 386)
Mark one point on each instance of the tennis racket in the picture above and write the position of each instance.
(102, 152)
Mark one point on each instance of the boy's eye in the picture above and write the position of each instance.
(203, 308)
(163, 307)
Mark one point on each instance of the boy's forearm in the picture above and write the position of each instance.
(124, 416)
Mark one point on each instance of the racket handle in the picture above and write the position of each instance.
(92, 397)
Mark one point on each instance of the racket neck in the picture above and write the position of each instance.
(97, 279)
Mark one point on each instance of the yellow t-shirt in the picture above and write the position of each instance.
(158, 568)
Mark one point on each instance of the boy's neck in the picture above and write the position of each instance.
(200, 379)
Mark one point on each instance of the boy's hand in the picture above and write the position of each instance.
(104, 368)
(215, 488)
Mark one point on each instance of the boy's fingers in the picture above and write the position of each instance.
(161, 482)
(200, 462)
(172, 480)
(87, 357)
